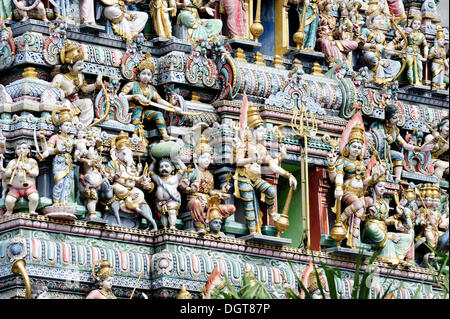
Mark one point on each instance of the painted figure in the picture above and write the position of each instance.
(161, 11)
(125, 23)
(87, 11)
(125, 176)
(387, 136)
(198, 29)
(20, 176)
(311, 21)
(236, 17)
(350, 176)
(141, 93)
(104, 275)
(417, 161)
(168, 198)
(24, 6)
(61, 145)
(414, 58)
(332, 48)
(376, 53)
(201, 190)
(5, 9)
(71, 80)
(439, 63)
(61, 8)
(395, 245)
(439, 138)
(252, 159)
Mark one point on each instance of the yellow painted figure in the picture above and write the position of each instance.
(104, 274)
(414, 57)
(161, 11)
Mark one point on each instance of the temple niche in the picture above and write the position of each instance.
(150, 147)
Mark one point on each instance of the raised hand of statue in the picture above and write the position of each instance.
(99, 81)
(226, 187)
(427, 147)
(332, 158)
(338, 192)
(292, 182)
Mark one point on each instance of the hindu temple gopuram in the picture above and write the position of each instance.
(177, 148)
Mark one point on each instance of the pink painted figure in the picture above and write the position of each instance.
(236, 17)
(87, 12)
(396, 8)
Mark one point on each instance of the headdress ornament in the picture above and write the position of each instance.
(102, 270)
(121, 141)
(254, 119)
(147, 63)
(203, 146)
(71, 53)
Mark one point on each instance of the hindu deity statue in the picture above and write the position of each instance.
(71, 80)
(26, 5)
(236, 12)
(167, 180)
(376, 50)
(103, 273)
(333, 49)
(414, 58)
(141, 93)
(20, 174)
(198, 29)
(395, 245)
(161, 11)
(252, 159)
(61, 145)
(387, 136)
(309, 12)
(201, 190)
(124, 22)
(349, 174)
(439, 63)
(88, 147)
(6, 10)
(439, 139)
(87, 11)
(126, 180)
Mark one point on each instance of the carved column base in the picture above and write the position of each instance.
(60, 212)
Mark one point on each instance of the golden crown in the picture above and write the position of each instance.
(71, 53)
(121, 140)
(313, 283)
(184, 294)
(440, 33)
(64, 115)
(203, 146)
(356, 134)
(253, 118)
(410, 194)
(214, 214)
(105, 270)
(147, 63)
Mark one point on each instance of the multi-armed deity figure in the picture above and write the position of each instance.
(167, 179)
(394, 245)
(161, 11)
(141, 93)
(414, 58)
(252, 160)
(104, 275)
(124, 22)
(387, 135)
(71, 80)
(439, 139)
(350, 176)
(201, 190)
(61, 145)
(198, 29)
(439, 63)
(20, 176)
(125, 177)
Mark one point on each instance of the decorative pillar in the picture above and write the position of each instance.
(318, 189)
(281, 27)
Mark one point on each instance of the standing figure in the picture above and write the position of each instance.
(395, 246)
(198, 29)
(439, 140)
(125, 23)
(332, 48)
(87, 12)
(439, 63)
(61, 9)
(61, 145)
(88, 152)
(168, 198)
(311, 21)
(252, 159)
(104, 275)
(20, 175)
(387, 135)
(236, 17)
(414, 58)
(161, 11)
(6, 10)
(141, 93)
(350, 176)
(71, 80)
(201, 189)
